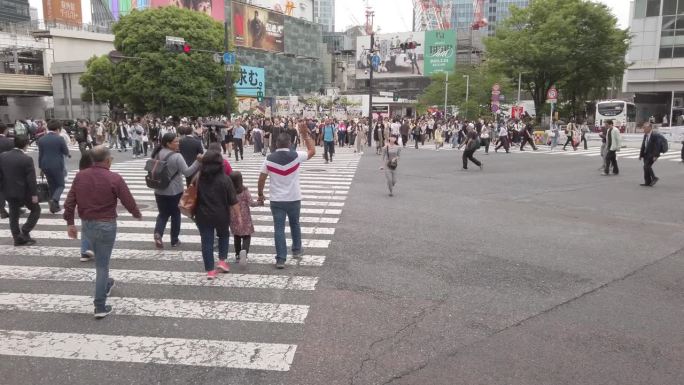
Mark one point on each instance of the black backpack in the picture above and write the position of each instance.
(662, 144)
(158, 173)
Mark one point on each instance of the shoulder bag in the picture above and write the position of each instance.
(188, 201)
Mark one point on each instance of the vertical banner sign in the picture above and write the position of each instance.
(440, 51)
(62, 11)
(251, 81)
(258, 28)
(496, 97)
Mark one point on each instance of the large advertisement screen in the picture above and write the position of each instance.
(258, 28)
(440, 51)
(62, 11)
(213, 8)
(389, 60)
(300, 9)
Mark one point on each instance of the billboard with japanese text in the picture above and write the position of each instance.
(62, 11)
(388, 58)
(258, 28)
(300, 9)
(440, 51)
(251, 81)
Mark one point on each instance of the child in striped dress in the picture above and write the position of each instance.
(242, 232)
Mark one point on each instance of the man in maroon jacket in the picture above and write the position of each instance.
(96, 192)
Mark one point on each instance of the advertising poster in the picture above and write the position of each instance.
(213, 8)
(389, 60)
(251, 81)
(62, 11)
(250, 106)
(440, 51)
(300, 9)
(258, 28)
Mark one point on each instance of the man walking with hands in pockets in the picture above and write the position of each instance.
(96, 191)
(283, 167)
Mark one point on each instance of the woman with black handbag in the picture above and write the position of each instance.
(390, 158)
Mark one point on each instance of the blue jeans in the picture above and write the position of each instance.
(55, 180)
(207, 236)
(85, 245)
(168, 208)
(279, 211)
(101, 236)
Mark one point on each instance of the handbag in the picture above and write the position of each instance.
(188, 201)
(43, 190)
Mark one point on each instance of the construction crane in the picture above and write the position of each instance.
(479, 20)
(432, 15)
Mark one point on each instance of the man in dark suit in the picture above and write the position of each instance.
(51, 152)
(650, 151)
(189, 146)
(6, 144)
(19, 186)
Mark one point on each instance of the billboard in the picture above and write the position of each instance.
(300, 9)
(62, 11)
(440, 51)
(213, 8)
(389, 60)
(258, 28)
(251, 81)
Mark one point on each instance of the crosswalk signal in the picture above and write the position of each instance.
(186, 48)
(395, 98)
(260, 96)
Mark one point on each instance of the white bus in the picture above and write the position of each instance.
(622, 113)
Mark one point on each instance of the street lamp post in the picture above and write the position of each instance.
(446, 88)
(517, 103)
(467, 77)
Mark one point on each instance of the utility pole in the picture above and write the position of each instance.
(370, 14)
(467, 93)
(446, 88)
(517, 103)
(228, 73)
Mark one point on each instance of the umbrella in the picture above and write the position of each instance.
(214, 123)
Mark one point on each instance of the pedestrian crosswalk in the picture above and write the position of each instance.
(626, 152)
(73, 148)
(48, 288)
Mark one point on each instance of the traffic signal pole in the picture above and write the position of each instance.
(228, 73)
(370, 92)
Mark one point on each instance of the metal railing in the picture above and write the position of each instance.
(28, 27)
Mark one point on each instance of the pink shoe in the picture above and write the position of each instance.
(211, 275)
(223, 267)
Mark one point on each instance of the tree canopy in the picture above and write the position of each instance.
(156, 80)
(481, 79)
(572, 44)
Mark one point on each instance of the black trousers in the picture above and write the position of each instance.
(404, 139)
(503, 142)
(649, 175)
(2, 202)
(584, 140)
(485, 144)
(569, 141)
(468, 154)
(15, 206)
(682, 151)
(328, 150)
(525, 141)
(239, 148)
(241, 243)
(611, 159)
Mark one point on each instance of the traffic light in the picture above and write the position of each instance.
(186, 48)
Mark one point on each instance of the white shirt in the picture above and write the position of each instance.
(283, 168)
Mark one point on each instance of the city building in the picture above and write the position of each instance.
(656, 76)
(14, 11)
(324, 14)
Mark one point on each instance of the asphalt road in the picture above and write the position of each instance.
(536, 270)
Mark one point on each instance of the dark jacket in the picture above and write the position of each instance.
(190, 147)
(6, 144)
(215, 196)
(17, 175)
(51, 152)
(652, 150)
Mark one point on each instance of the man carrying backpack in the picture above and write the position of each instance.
(652, 146)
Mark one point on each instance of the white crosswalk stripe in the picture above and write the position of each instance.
(46, 280)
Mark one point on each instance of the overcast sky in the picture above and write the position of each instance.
(390, 15)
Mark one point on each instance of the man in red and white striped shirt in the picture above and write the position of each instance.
(283, 167)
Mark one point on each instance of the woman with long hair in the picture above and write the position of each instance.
(168, 198)
(216, 200)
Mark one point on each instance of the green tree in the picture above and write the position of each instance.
(98, 82)
(163, 82)
(481, 79)
(573, 44)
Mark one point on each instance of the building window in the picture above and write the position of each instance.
(669, 7)
(652, 8)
